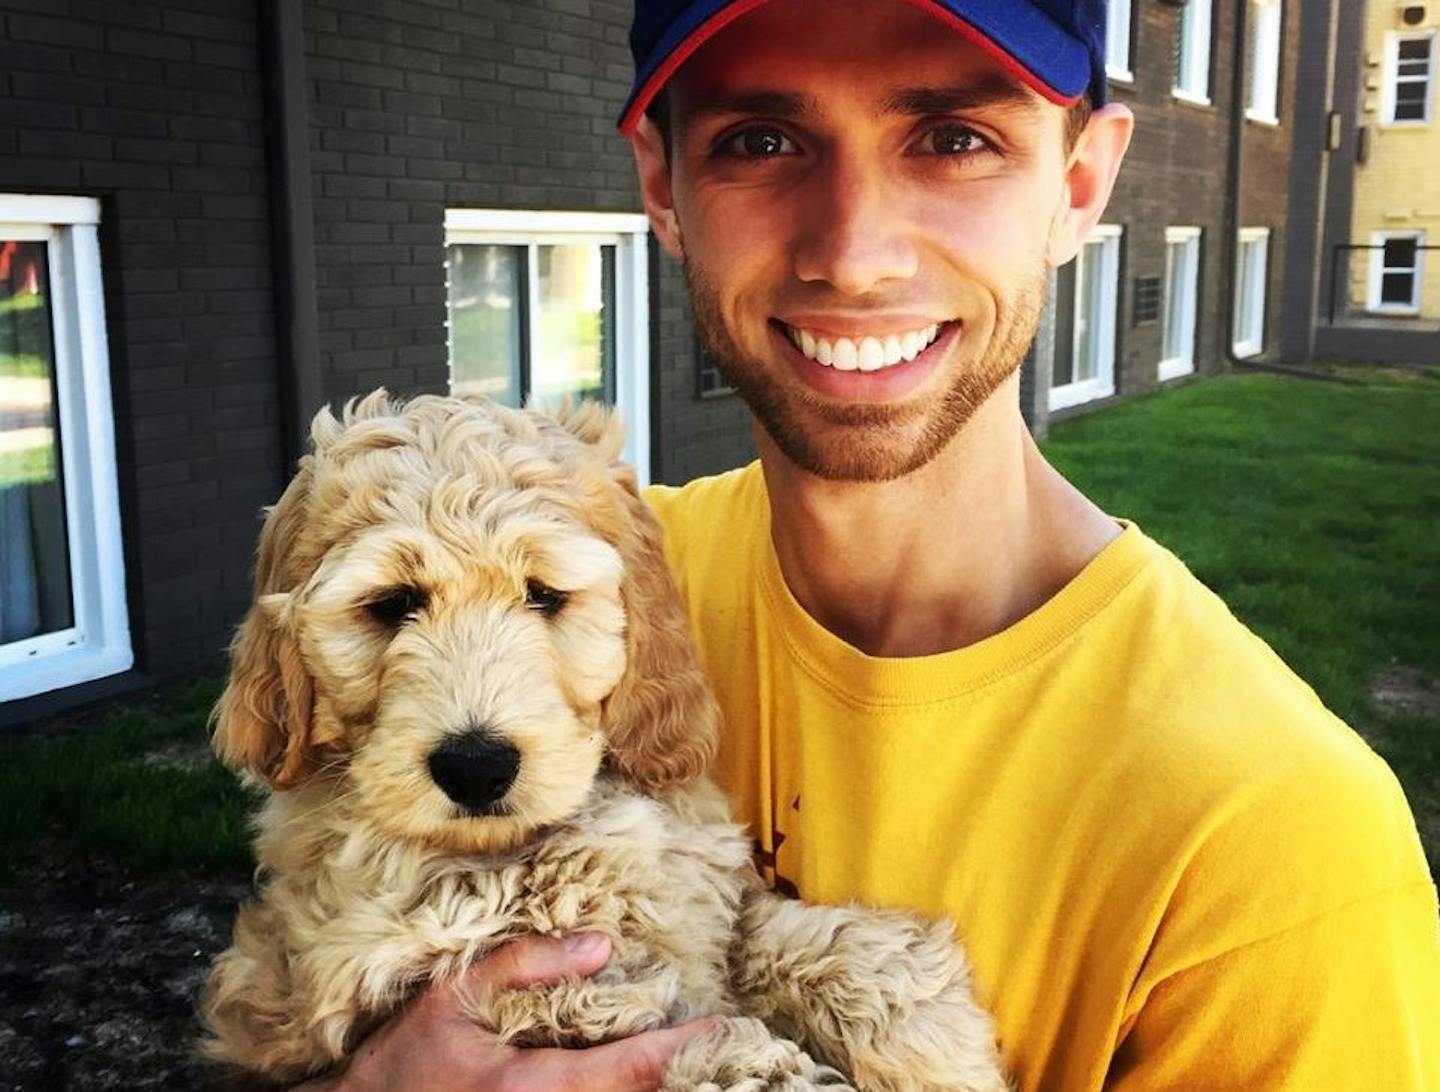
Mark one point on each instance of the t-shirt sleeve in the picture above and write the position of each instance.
(1347, 1000)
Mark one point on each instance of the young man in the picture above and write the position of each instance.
(951, 682)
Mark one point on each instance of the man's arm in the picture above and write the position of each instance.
(1348, 1000)
(432, 1046)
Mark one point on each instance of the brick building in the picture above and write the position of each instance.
(217, 214)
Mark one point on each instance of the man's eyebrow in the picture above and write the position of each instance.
(990, 93)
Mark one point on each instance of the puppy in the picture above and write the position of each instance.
(468, 684)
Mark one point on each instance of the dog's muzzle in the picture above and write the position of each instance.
(475, 769)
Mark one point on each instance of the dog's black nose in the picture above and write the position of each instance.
(474, 768)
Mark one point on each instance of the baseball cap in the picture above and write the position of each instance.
(1056, 47)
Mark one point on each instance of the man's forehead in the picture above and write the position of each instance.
(988, 92)
(778, 61)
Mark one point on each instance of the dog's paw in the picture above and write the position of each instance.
(580, 1012)
(742, 1055)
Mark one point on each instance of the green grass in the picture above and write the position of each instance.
(137, 786)
(1313, 509)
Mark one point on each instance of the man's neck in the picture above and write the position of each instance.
(943, 557)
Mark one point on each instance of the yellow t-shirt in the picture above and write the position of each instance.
(1172, 867)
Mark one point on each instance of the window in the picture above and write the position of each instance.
(1084, 367)
(1117, 41)
(548, 305)
(1409, 74)
(1249, 333)
(1396, 272)
(62, 574)
(1182, 287)
(1263, 34)
(1192, 52)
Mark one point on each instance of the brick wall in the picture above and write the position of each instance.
(421, 106)
(156, 108)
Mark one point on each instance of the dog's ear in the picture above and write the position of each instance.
(263, 718)
(661, 721)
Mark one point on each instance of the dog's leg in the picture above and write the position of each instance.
(615, 1003)
(742, 1055)
(881, 995)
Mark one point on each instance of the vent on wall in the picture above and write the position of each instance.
(1413, 15)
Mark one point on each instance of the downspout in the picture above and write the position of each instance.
(1235, 171)
(293, 225)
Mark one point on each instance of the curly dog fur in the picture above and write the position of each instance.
(447, 577)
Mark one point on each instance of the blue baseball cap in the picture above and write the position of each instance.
(1056, 47)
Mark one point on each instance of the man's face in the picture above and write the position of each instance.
(864, 203)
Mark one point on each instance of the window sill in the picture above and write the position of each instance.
(1175, 369)
(41, 674)
(1394, 311)
(1268, 120)
(1246, 349)
(1120, 75)
(1189, 98)
(1077, 394)
(1416, 125)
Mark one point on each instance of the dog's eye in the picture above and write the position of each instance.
(546, 600)
(396, 606)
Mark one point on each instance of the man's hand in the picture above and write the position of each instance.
(431, 1047)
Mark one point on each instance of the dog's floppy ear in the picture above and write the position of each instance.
(661, 721)
(263, 719)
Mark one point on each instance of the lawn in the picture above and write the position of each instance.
(1312, 508)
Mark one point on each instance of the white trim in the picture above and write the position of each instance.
(533, 221)
(1105, 240)
(44, 209)
(1189, 284)
(1194, 62)
(1391, 78)
(1251, 342)
(98, 644)
(1262, 89)
(1118, 38)
(1194, 100)
(1378, 271)
(628, 233)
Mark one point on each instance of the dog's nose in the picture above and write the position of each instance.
(474, 768)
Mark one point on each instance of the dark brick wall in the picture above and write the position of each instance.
(156, 108)
(421, 106)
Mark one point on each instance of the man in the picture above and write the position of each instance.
(951, 682)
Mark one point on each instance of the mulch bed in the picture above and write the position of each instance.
(99, 972)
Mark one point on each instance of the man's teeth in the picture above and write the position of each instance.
(866, 354)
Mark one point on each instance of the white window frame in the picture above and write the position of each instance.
(1102, 385)
(1192, 70)
(1251, 342)
(1378, 270)
(1262, 88)
(1392, 78)
(628, 233)
(1189, 286)
(1118, 19)
(98, 642)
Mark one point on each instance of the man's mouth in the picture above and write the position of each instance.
(865, 353)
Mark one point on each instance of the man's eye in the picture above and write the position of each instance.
(953, 140)
(760, 142)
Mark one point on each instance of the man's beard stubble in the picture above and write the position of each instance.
(865, 442)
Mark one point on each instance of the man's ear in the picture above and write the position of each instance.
(1089, 178)
(654, 169)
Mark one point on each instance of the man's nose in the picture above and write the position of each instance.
(854, 236)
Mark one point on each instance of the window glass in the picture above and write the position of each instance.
(1411, 93)
(576, 356)
(1192, 66)
(1117, 38)
(487, 319)
(35, 586)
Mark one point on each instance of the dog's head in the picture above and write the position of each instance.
(460, 611)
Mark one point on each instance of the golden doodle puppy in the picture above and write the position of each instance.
(468, 683)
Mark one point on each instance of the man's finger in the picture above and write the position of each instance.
(636, 1064)
(539, 960)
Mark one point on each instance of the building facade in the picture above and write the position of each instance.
(216, 215)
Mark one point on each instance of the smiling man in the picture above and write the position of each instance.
(951, 682)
